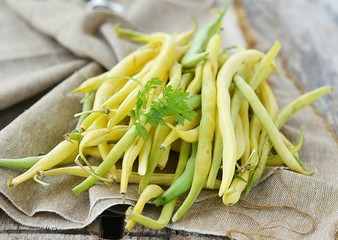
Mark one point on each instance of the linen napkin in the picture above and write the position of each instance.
(66, 44)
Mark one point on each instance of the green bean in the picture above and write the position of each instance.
(261, 74)
(207, 126)
(195, 53)
(188, 135)
(135, 35)
(194, 101)
(268, 125)
(283, 117)
(87, 105)
(98, 136)
(103, 146)
(175, 75)
(185, 152)
(185, 37)
(223, 57)
(293, 148)
(257, 135)
(113, 101)
(269, 101)
(182, 183)
(300, 103)
(24, 163)
(181, 39)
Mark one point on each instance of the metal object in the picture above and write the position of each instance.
(105, 5)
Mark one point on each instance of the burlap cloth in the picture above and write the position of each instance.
(43, 43)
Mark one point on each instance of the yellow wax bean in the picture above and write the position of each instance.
(162, 162)
(118, 97)
(51, 159)
(188, 131)
(238, 185)
(160, 133)
(129, 66)
(207, 126)
(162, 220)
(244, 116)
(163, 179)
(240, 139)
(216, 155)
(98, 136)
(185, 81)
(185, 37)
(269, 126)
(94, 151)
(144, 153)
(128, 160)
(150, 192)
(104, 148)
(161, 67)
(224, 78)
(239, 182)
(189, 136)
(195, 85)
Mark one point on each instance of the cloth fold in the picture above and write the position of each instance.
(65, 45)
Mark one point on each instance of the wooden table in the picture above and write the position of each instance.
(308, 32)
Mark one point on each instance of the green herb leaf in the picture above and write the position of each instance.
(141, 101)
(176, 104)
(141, 130)
(171, 102)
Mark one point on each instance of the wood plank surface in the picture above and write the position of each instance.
(9, 229)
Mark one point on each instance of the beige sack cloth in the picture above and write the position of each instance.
(60, 38)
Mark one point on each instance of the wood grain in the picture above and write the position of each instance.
(9, 229)
(308, 32)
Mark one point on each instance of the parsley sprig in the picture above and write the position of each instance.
(170, 102)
